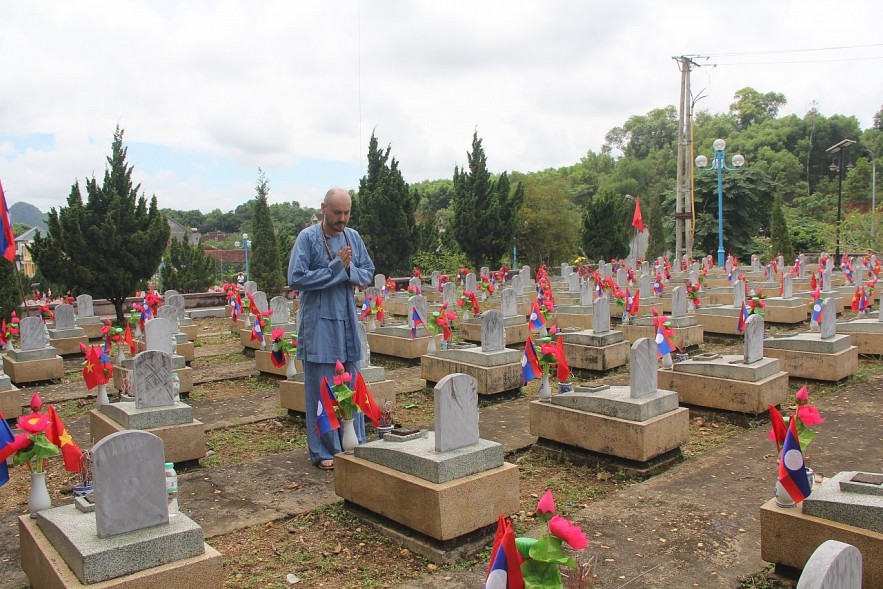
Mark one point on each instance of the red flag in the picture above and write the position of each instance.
(505, 566)
(637, 220)
(93, 371)
(7, 237)
(326, 418)
(780, 430)
(127, 337)
(563, 367)
(740, 327)
(58, 435)
(362, 397)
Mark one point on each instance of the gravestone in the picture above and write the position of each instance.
(829, 263)
(622, 278)
(642, 380)
(372, 292)
(586, 293)
(608, 270)
(706, 262)
(693, 276)
(415, 282)
(524, 273)
(417, 302)
(781, 262)
(738, 294)
(456, 412)
(64, 317)
(678, 302)
(32, 333)
(250, 286)
(517, 284)
(470, 282)
(646, 286)
(566, 269)
(601, 315)
(801, 266)
(573, 282)
(159, 334)
(484, 271)
(755, 263)
(826, 280)
(449, 294)
(260, 301)
(433, 279)
(366, 350)
(829, 318)
(645, 267)
(129, 479)
(169, 293)
(787, 285)
(84, 306)
(728, 265)
(170, 313)
(279, 311)
(753, 351)
(176, 301)
(152, 378)
(509, 303)
(379, 281)
(833, 565)
(493, 337)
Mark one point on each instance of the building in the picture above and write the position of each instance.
(23, 260)
(182, 233)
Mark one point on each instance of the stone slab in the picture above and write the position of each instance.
(782, 310)
(597, 358)
(588, 337)
(723, 393)
(686, 336)
(253, 344)
(829, 501)
(419, 458)
(45, 353)
(92, 330)
(719, 320)
(616, 401)
(475, 355)
(10, 402)
(440, 510)
(808, 342)
(68, 346)
(185, 375)
(630, 440)
(45, 568)
(129, 416)
(576, 316)
(24, 371)
(182, 442)
(866, 335)
(817, 366)
(515, 331)
(92, 559)
(190, 330)
(788, 537)
(292, 395)
(264, 363)
(730, 367)
(186, 350)
(491, 379)
(397, 346)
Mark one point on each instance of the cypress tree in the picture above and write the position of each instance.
(780, 239)
(187, 268)
(265, 268)
(656, 241)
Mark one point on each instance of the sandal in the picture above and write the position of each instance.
(326, 464)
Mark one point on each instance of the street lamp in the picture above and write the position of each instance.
(245, 247)
(720, 165)
(837, 166)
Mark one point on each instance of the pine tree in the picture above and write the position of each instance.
(383, 212)
(780, 239)
(10, 290)
(606, 227)
(187, 268)
(108, 246)
(656, 241)
(265, 270)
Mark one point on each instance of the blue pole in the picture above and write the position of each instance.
(245, 245)
(514, 253)
(719, 162)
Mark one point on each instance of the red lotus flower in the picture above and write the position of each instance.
(546, 504)
(570, 533)
(34, 423)
(809, 415)
(36, 402)
(338, 367)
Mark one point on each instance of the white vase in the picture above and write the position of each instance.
(290, 368)
(625, 318)
(349, 441)
(545, 390)
(9, 344)
(138, 330)
(120, 355)
(38, 499)
(102, 395)
(666, 361)
(430, 347)
(372, 323)
(467, 316)
(691, 306)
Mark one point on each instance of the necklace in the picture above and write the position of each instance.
(325, 241)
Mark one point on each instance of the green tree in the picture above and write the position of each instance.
(10, 290)
(548, 224)
(780, 239)
(109, 245)
(384, 212)
(656, 242)
(485, 210)
(265, 268)
(751, 107)
(187, 268)
(607, 226)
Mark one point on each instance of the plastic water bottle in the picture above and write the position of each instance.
(176, 387)
(172, 488)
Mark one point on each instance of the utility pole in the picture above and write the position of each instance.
(684, 192)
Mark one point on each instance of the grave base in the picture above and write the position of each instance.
(182, 442)
(443, 511)
(185, 377)
(45, 568)
(253, 344)
(398, 347)
(190, 330)
(93, 330)
(581, 456)
(185, 349)
(866, 335)
(491, 379)
(816, 365)
(719, 320)
(640, 441)
(264, 363)
(574, 316)
(687, 337)
(10, 403)
(514, 332)
(789, 537)
(598, 358)
(68, 346)
(726, 393)
(292, 394)
(23, 371)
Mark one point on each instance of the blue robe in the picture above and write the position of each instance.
(327, 327)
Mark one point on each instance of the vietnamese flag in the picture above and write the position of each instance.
(127, 337)
(637, 220)
(93, 370)
(363, 399)
(779, 430)
(58, 435)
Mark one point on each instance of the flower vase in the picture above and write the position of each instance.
(9, 345)
(466, 316)
(120, 355)
(138, 330)
(430, 348)
(38, 499)
(691, 306)
(290, 368)
(382, 430)
(545, 394)
(667, 362)
(625, 317)
(102, 395)
(372, 324)
(349, 441)
(543, 331)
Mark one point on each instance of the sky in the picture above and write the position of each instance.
(207, 92)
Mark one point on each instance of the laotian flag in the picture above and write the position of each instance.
(663, 342)
(537, 319)
(792, 470)
(326, 419)
(632, 302)
(743, 317)
(504, 571)
(7, 237)
(366, 308)
(657, 286)
(816, 311)
(415, 321)
(530, 364)
(6, 449)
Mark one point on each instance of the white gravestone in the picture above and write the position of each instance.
(449, 294)
(456, 412)
(833, 565)
(679, 302)
(738, 294)
(279, 311)
(250, 286)
(601, 315)
(470, 282)
(586, 293)
(753, 351)
(170, 313)
(177, 301)
(85, 307)
(64, 317)
(644, 370)
(509, 303)
(826, 280)
(829, 318)
(379, 281)
(492, 334)
(787, 286)
(152, 377)
(260, 301)
(159, 335)
(32, 333)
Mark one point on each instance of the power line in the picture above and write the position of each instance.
(773, 52)
(792, 62)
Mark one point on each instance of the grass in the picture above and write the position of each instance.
(249, 442)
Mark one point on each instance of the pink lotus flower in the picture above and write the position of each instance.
(34, 423)
(548, 349)
(546, 504)
(553, 330)
(570, 533)
(36, 402)
(809, 415)
(338, 367)
(277, 333)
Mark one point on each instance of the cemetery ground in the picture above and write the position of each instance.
(272, 514)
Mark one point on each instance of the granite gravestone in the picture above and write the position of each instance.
(279, 311)
(801, 266)
(433, 279)
(678, 302)
(566, 269)
(573, 282)
(826, 280)
(84, 306)
(484, 271)
(171, 314)
(152, 378)
(250, 286)
(159, 334)
(379, 281)
(585, 293)
(177, 301)
(829, 318)
(456, 412)
(366, 349)
(642, 380)
(753, 351)
(787, 285)
(64, 317)
(738, 294)
(415, 282)
(493, 336)
(517, 284)
(470, 282)
(601, 315)
(622, 278)
(509, 303)
(417, 302)
(129, 479)
(260, 301)
(169, 293)
(449, 294)
(833, 565)
(32, 333)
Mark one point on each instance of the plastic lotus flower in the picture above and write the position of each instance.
(807, 415)
(442, 321)
(543, 556)
(343, 393)
(33, 447)
(693, 290)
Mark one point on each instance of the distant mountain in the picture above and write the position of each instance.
(22, 212)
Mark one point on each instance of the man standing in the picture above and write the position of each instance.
(327, 261)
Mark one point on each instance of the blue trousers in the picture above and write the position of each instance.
(324, 447)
